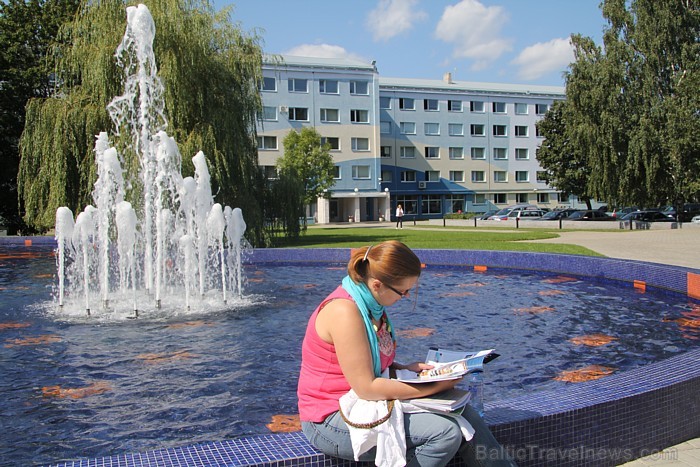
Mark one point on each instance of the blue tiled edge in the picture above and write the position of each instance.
(600, 423)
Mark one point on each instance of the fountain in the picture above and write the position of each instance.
(172, 243)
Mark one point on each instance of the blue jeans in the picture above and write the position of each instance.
(431, 440)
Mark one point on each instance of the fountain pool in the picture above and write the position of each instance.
(89, 387)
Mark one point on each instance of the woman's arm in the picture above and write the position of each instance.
(340, 324)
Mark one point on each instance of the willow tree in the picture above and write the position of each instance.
(210, 69)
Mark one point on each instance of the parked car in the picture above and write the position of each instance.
(619, 213)
(589, 216)
(487, 214)
(559, 214)
(690, 210)
(695, 220)
(503, 213)
(529, 214)
(647, 216)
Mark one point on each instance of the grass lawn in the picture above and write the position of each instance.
(345, 237)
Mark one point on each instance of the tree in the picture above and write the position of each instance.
(634, 103)
(28, 28)
(210, 70)
(561, 155)
(309, 161)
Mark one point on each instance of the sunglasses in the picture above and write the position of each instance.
(400, 294)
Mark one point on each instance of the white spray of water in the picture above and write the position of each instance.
(172, 234)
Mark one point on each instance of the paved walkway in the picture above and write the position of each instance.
(680, 247)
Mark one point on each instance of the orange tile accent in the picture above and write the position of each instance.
(283, 423)
(27, 242)
(480, 268)
(423, 265)
(640, 285)
(694, 285)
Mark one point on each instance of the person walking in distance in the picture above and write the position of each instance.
(399, 216)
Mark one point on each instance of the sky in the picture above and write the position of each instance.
(497, 41)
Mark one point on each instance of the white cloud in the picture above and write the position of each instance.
(474, 32)
(323, 51)
(392, 17)
(542, 58)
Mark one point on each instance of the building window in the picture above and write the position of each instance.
(520, 108)
(330, 116)
(538, 133)
(562, 197)
(499, 107)
(455, 129)
(408, 176)
(432, 152)
(500, 154)
(479, 198)
(406, 103)
(456, 175)
(541, 109)
(336, 172)
(432, 129)
(299, 113)
(270, 172)
(522, 176)
(359, 116)
(268, 84)
(454, 106)
(328, 86)
(520, 130)
(385, 127)
(410, 203)
(478, 153)
(360, 144)
(499, 198)
(500, 176)
(431, 105)
(543, 198)
(408, 152)
(476, 106)
(298, 85)
(457, 152)
(385, 151)
(522, 154)
(521, 198)
(478, 176)
(477, 129)
(269, 113)
(432, 175)
(387, 176)
(455, 204)
(360, 172)
(267, 142)
(407, 128)
(385, 103)
(500, 130)
(332, 141)
(431, 204)
(541, 176)
(359, 88)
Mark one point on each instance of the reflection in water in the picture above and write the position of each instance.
(99, 387)
(592, 340)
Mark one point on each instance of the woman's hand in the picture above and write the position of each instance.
(417, 367)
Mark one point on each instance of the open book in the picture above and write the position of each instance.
(447, 364)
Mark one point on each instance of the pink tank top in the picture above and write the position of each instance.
(321, 381)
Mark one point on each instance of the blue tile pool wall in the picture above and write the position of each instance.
(598, 423)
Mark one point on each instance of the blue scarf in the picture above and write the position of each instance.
(369, 308)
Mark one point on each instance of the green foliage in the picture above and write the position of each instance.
(631, 114)
(460, 215)
(306, 159)
(210, 70)
(27, 30)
